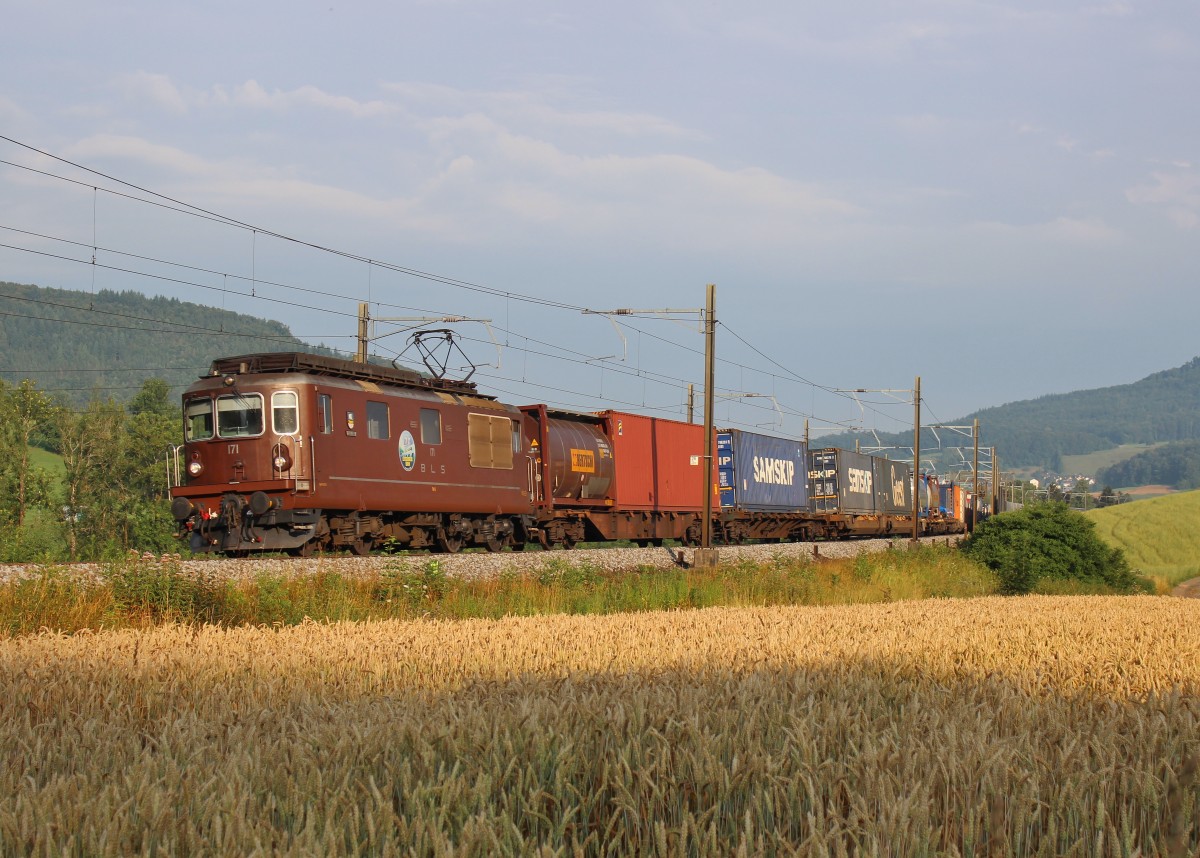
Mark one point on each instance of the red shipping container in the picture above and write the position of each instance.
(659, 463)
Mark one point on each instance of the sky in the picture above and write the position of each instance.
(1002, 199)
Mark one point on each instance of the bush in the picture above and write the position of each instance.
(1049, 541)
(157, 590)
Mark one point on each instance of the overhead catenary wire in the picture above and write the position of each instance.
(188, 208)
(164, 201)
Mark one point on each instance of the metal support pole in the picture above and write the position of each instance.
(691, 403)
(916, 475)
(975, 479)
(710, 336)
(995, 481)
(360, 355)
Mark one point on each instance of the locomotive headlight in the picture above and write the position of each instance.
(194, 468)
(280, 458)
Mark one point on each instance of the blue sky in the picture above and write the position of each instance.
(1001, 198)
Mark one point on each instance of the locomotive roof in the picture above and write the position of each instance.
(309, 364)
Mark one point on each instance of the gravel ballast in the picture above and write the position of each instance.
(481, 565)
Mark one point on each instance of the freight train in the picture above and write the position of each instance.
(299, 453)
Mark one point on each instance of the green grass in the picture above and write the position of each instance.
(144, 593)
(1090, 463)
(1158, 535)
(52, 463)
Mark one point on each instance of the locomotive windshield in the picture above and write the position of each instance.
(198, 420)
(239, 415)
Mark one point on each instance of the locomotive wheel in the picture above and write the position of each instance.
(448, 544)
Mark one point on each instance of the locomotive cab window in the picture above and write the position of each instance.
(198, 420)
(377, 420)
(240, 415)
(285, 412)
(489, 441)
(324, 413)
(431, 426)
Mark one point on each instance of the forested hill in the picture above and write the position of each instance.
(77, 345)
(1039, 432)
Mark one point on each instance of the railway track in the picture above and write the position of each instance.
(480, 565)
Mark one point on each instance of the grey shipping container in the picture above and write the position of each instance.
(843, 481)
(893, 482)
(761, 472)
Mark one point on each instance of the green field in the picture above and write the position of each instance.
(47, 461)
(1090, 463)
(1157, 535)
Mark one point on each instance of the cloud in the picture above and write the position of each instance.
(680, 198)
(1116, 9)
(12, 113)
(157, 89)
(1061, 230)
(1177, 193)
(1063, 141)
(252, 95)
(534, 108)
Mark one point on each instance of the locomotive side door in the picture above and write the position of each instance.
(288, 454)
(322, 451)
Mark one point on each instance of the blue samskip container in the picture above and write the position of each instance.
(761, 472)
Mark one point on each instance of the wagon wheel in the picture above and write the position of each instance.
(494, 544)
(304, 549)
(448, 544)
(361, 546)
(567, 542)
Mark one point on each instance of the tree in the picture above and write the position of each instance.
(1048, 540)
(90, 445)
(153, 429)
(23, 410)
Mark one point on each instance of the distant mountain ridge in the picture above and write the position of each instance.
(1162, 407)
(77, 345)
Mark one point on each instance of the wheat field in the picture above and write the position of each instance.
(1025, 726)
